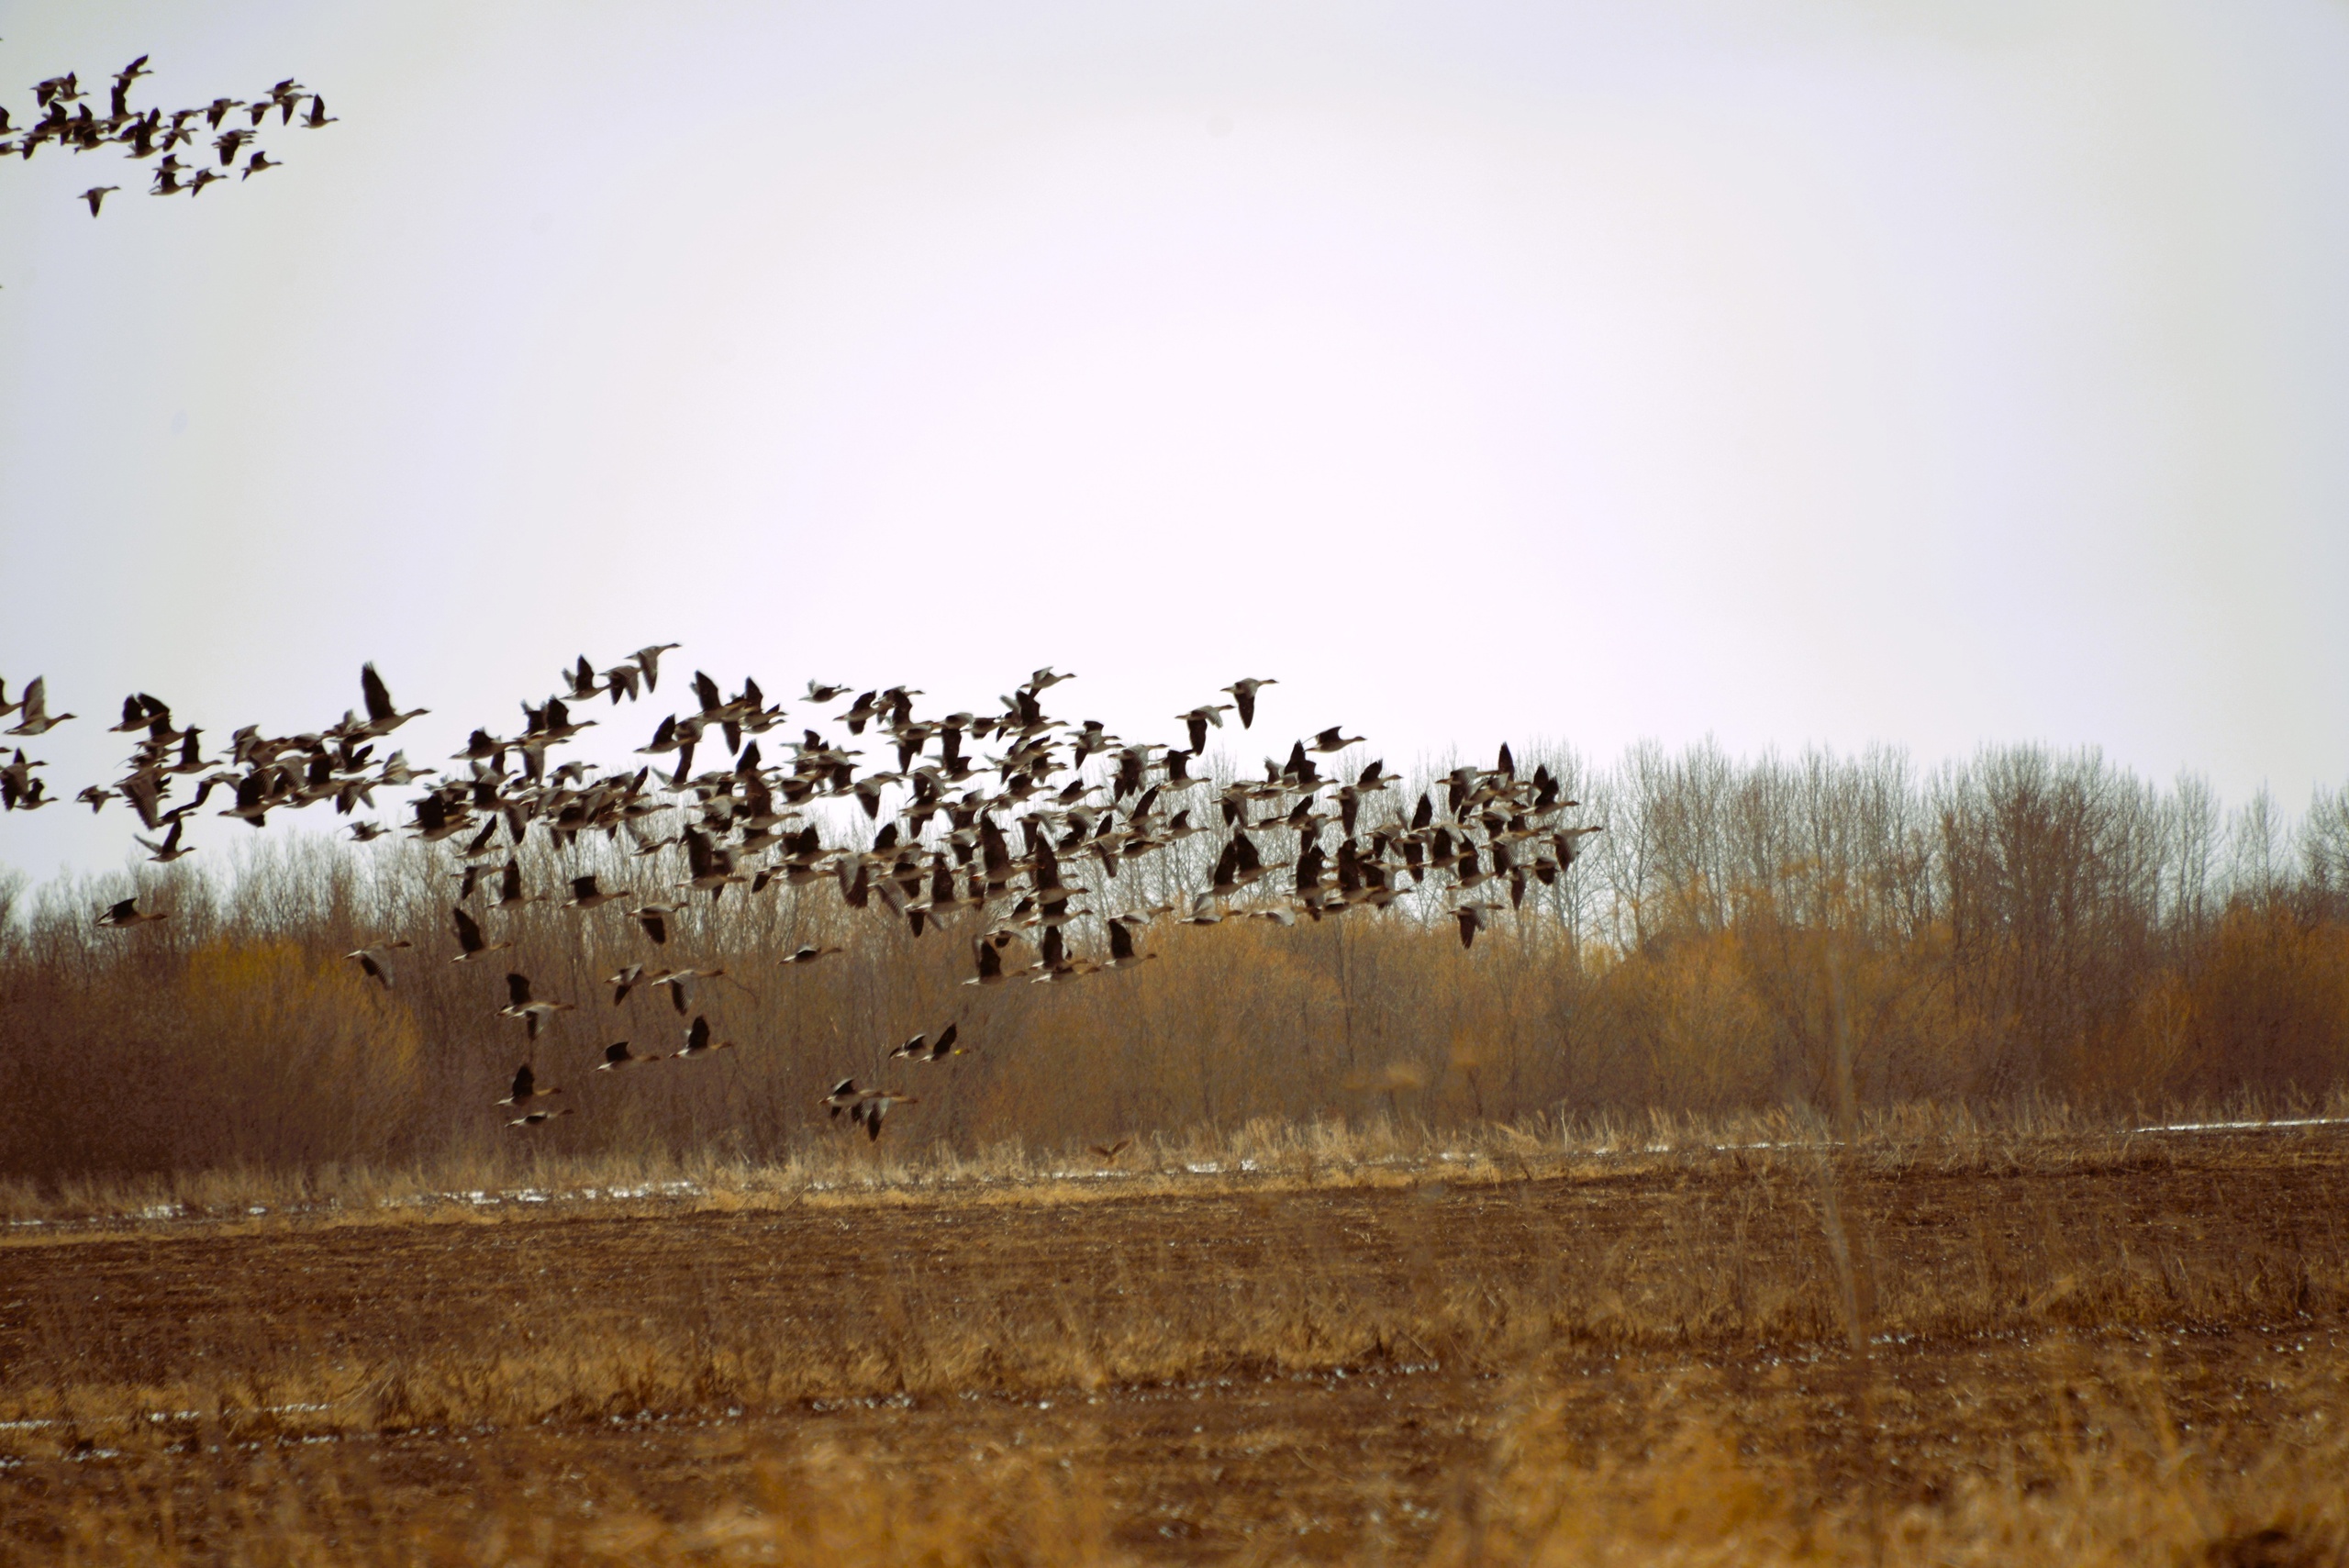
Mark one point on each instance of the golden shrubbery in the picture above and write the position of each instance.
(1741, 936)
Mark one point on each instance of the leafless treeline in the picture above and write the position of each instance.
(2027, 924)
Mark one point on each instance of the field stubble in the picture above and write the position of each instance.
(2063, 1349)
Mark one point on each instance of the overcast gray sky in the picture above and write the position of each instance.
(1813, 370)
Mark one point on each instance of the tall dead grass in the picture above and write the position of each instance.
(1263, 1155)
(2133, 1495)
(281, 1509)
(2118, 1486)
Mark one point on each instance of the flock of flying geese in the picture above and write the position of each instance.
(66, 119)
(1022, 846)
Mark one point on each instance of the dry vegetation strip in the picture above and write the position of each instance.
(1334, 1372)
(2029, 926)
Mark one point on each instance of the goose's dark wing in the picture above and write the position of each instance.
(379, 697)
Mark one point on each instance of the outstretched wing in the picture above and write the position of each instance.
(379, 698)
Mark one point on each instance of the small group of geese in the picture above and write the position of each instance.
(1017, 860)
(527, 1096)
(863, 1108)
(66, 119)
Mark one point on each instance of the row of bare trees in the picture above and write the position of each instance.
(1747, 932)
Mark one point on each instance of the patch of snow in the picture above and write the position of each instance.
(2248, 1126)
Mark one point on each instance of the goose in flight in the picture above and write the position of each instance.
(553, 723)
(581, 678)
(1334, 739)
(510, 887)
(526, 1088)
(122, 916)
(623, 680)
(648, 658)
(383, 714)
(1197, 720)
(586, 895)
(140, 712)
(469, 938)
(169, 850)
(871, 1106)
(191, 753)
(810, 954)
(478, 849)
(866, 1108)
(1472, 917)
(143, 790)
(520, 1005)
(990, 960)
(483, 747)
(1243, 694)
(33, 708)
(535, 1118)
(698, 1041)
(96, 195)
(624, 982)
(618, 1058)
(261, 160)
(922, 1047)
(710, 867)
(1110, 1152)
(1121, 944)
(665, 739)
(375, 962)
(1569, 841)
(680, 984)
(1204, 911)
(1238, 865)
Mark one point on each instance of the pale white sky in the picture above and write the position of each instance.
(1803, 371)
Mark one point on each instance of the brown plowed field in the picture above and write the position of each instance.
(1244, 1372)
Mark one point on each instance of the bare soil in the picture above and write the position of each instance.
(1989, 1298)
